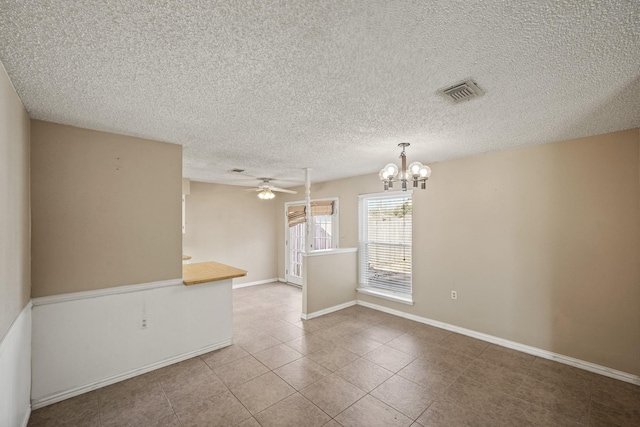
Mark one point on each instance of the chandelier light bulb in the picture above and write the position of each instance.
(392, 170)
(425, 172)
(414, 169)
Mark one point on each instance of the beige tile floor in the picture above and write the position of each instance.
(354, 367)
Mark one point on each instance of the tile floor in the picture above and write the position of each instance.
(354, 367)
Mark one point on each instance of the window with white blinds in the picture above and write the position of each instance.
(385, 242)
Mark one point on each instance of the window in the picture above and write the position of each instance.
(324, 232)
(322, 213)
(322, 239)
(385, 245)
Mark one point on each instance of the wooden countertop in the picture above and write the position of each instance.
(186, 257)
(203, 272)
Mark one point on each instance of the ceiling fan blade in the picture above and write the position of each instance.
(283, 190)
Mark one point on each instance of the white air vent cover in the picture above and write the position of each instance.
(462, 91)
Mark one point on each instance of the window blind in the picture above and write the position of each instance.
(298, 214)
(385, 234)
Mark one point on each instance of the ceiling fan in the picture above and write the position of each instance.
(266, 189)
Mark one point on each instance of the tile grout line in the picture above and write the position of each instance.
(243, 405)
(591, 385)
(164, 393)
(99, 412)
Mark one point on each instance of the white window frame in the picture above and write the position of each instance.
(365, 288)
(184, 214)
(335, 224)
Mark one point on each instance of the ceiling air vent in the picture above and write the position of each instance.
(462, 91)
(236, 170)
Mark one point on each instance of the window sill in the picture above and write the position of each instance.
(391, 296)
(321, 252)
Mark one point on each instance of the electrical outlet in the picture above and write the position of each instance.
(454, 295)
(144, 324)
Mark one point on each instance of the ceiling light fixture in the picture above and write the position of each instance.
(416, 172)
(266, 194)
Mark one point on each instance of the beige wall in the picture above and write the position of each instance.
(15, 273)
(542, 244)
(329, 279)
(231, 225)
(106, 209)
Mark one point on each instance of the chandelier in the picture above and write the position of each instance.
(416, 172)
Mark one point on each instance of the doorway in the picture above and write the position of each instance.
(296, 242)
(324, 232)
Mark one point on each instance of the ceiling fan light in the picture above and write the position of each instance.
(266, 194)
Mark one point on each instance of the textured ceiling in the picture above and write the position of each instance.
(276, 86)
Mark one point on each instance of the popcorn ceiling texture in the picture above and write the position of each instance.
(276, 86)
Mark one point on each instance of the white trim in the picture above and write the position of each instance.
(26, 309)
(66, 394)
(329, 252)
(25, 420)
(327, 310)
(396, 297)
(116, 290)
(384, 194)
(545, 354)
(295, 285)
(256, 283)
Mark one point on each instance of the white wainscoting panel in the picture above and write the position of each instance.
(84, 344)
(15, 371)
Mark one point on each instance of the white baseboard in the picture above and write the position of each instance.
(66, 394)
(256, 283)
(327, 310)
(545, 354)
(282, 280)
(295, 285)
(25, 421)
